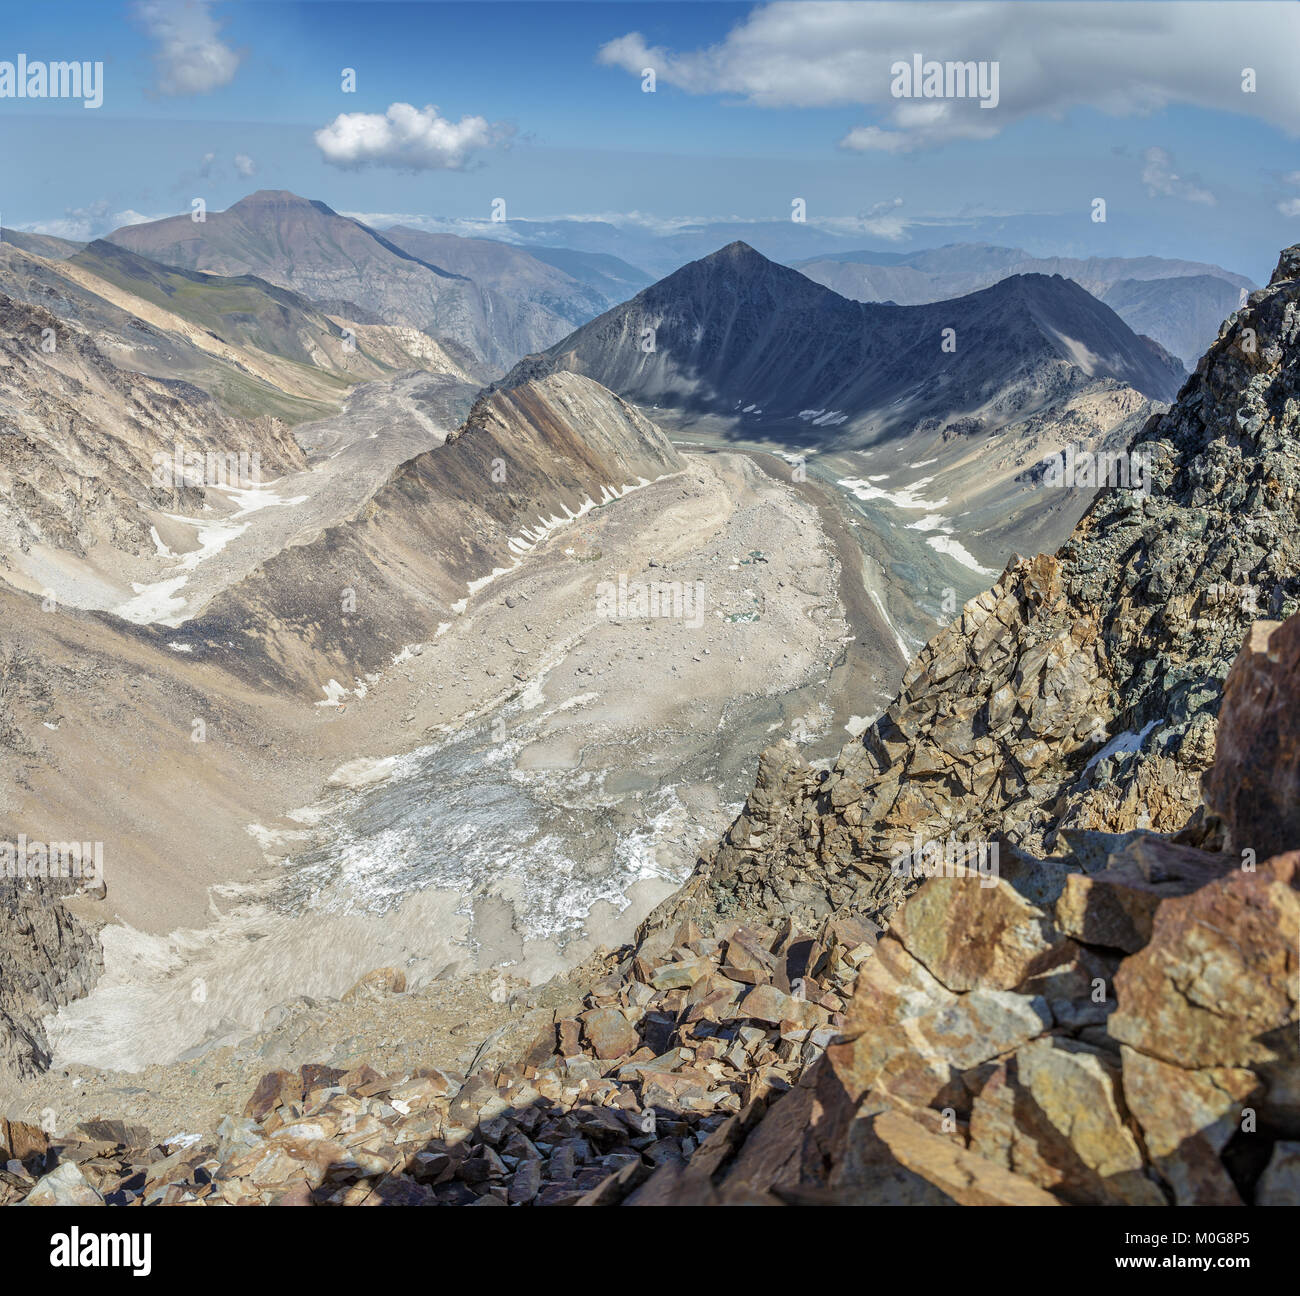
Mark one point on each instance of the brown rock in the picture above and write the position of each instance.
(889, 1143)
(609, 1033)
(1052, 1115)
(1254, 785)
(680, 974)
(1116, 907)
(273, 1088)
(1186, 1118)
(20, 1141)
(1216, 984)
(378, 984)
(969, 934)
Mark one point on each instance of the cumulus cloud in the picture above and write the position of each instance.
(1125, 59)
(1162, 181)
(81, 224)
(407, 138)
(191, 57)
(245, 165)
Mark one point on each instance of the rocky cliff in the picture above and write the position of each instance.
(1115, 1025)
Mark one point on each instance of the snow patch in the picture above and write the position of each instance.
(1124, 743)
(906, 497)
(955, 549)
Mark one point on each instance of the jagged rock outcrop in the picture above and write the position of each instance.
(1123, 1035)
(1080, 692)
(48, 957)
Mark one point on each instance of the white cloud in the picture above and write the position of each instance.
(191, 57)
(1129, 58)
(82, 224)
(407, 138)
(1162, 181)
(245, 165)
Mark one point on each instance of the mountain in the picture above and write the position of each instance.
(1184, 319)
(610, 275)
(115, 364)
(260, 350)
(45, 245)
(737, 334)
(1087, 998)
(511, 305)
(1181, 312)
(520, 299)
(658, 248)
(77, 458)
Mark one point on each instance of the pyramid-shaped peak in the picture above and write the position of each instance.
(279, 200)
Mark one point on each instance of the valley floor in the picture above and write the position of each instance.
(600, 725)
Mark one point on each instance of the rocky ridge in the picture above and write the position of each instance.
(737, 335)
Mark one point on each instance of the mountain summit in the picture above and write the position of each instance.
(735, 332)
(500, 304)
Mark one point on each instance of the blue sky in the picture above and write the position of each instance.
(755, 105)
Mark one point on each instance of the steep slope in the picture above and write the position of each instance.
(244, 311)
(258, 349)
(45, 245)
(116, 365)
(447, 521)
(77, 461)
(1180, 307)
(1182, 313)
(1080, 692)
(524, 303)
(737, 334)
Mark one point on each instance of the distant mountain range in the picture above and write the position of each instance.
(738, 335)
(1182, 316)
(506, 289)
(1178, 303)
(497, 301)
